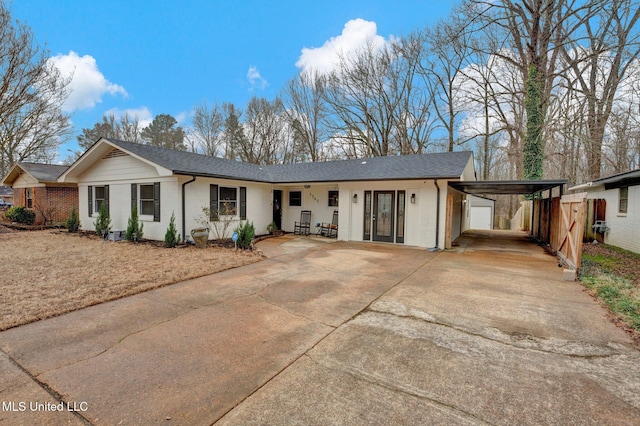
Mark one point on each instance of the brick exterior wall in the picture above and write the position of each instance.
(56, 202)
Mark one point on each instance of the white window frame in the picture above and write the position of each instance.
(622, 211)
(236, 201)
(96, 206)
(141, 215)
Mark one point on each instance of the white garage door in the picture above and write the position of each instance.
(481, 217)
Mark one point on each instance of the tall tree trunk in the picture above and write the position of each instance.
(533, 144)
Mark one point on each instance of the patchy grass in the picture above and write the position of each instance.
(613, 276)
(47, 273)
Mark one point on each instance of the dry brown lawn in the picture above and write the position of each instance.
(48, 273)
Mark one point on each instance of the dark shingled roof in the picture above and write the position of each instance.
(43, 172)
(419, 166)
(188, 163)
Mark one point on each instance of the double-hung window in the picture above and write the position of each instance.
(623, 199)
(145, 197)
(28, 198)
(98, 196)
(227, 201)
(146, 200)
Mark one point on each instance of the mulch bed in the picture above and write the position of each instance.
(5, 230)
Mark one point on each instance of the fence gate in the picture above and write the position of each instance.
(572, 214)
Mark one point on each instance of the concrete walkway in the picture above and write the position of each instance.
(335, 333)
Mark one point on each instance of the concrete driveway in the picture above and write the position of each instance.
(339, 333)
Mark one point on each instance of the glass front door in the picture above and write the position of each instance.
(383, 209)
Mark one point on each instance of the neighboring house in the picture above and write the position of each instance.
(397, 199)
(621, 193)
(482, 211)
(35, 186)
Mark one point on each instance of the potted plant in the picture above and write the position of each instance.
(272, 228)
(200, 235)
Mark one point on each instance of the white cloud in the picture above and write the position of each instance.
(355, 34)
(88, 84)
(144, 115)
(256, 81)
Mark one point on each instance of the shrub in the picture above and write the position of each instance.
(134, 228)
(171, 237)
(73, 223)
(272, 227)
(21, 214)
(103, 223)
(245, 232)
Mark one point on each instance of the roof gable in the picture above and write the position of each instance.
(43, 173)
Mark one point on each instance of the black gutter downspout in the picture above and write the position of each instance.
(184, 221)
(437, 247)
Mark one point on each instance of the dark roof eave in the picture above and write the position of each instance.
(508, 187)
(216, 176)
(366, 179)
(287, 182)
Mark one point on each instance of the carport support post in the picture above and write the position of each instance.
(539, 236)
(549, 210)
(533, 213)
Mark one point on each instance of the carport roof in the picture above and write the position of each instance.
(507, 186)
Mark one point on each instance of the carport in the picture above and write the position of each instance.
(545, 213)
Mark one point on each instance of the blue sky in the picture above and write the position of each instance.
(165, 57)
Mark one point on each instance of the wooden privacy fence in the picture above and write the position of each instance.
(572, 217)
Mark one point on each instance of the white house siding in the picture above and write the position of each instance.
(197, 196)
(420, 217)
(25, 180)
(119, 173)
(314, 198)
(624, 229)
(120, 205)
(119, 168)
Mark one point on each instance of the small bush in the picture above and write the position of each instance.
(245, 232)
(134, 228)
(73, 223)
(171, 237)
(103, 223)
(21, 214)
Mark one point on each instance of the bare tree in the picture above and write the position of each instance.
(599, 68)
(207, 127)
(125, 128)
(32, 93)
(265, 131)
(413, 120)
(362, 107)
(306, 113)
(535, 31)
(448, 49)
